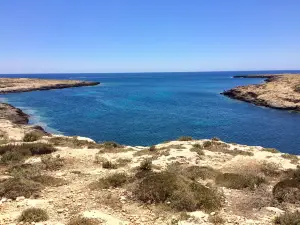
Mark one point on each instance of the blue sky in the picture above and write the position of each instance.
(148, 35)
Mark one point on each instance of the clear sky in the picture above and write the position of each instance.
(148, 35)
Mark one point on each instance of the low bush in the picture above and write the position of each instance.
(293, 158)
(49, 180)
(123, 162)
(114, 180)
(72, 142)
(198, 149)
(111, 144)
(152, 148)
(216, 219)
(287, 190)
(288, 218)
(177, 192)
(203, 172)
(28, 149)
(32, 136)
(83, 221)
(108, 165)
(33, 215)
(239, 181)
(15, 187)
(272, 150)
(216, 139)
(185, 138)
(146, 165)
(25, 170)
(52, 163)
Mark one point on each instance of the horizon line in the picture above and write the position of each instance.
(204, 71)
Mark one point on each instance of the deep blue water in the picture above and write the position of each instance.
(148, 108)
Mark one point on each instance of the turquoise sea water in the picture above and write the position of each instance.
(148, 108)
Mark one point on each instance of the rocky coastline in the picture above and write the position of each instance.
(48, 179)
(15, 85)
(280, 91)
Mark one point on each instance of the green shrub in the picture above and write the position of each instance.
(288, 218)
(185, 138)
(207, 144)
(146, 165)
(33, 215)
(15, 187)
(114, 180)
(177, 192)
(32, 136)
(108, 165)
(83, 221)
(239, 181)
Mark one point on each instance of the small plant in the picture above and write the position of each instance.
(216, 219)
(207, 144)
(32, 136)
(152, 148)
(288, 218)
(52, 163)
(111, 144)
(114, 180)
(287, 190)
(82, 221)
(293, 158)
(108, 165)
(185, 138)
(33, 215)
(198, 149)
(216, 139)
(203, 172)
(272, 150)
(146, 165)
(239, 181)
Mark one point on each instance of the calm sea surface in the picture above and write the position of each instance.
(148, 108)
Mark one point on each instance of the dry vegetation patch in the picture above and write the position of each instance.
(177, 192)
(33, 215)
(111, 181)
(288, 218)
(239, 181)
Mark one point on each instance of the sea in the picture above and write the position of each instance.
(149, 108)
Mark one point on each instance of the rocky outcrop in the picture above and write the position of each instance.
(15, 115)
(278, 91)
(13, 85)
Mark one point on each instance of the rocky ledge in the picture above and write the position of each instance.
(13, 85)
(280, 91)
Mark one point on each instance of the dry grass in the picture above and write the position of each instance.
(271, 150)
(33, 215)
(216, 219)
(108, 165)
(196, 172)
(198, 149)
(146, 165)
(47, 180)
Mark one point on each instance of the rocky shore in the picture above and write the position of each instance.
(13, 85)
(48, 179)
(280, 91)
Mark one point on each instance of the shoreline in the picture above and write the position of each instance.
(279, 91)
